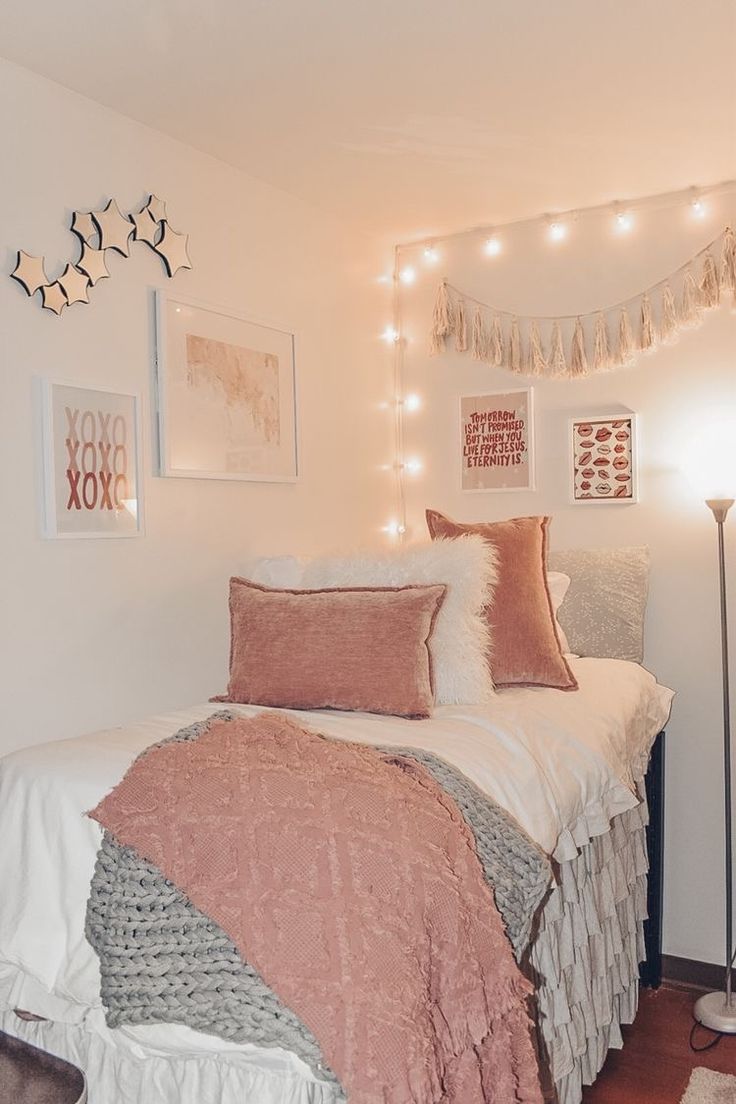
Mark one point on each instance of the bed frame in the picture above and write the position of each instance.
(650, 971)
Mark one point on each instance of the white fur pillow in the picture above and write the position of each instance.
(274, 571)
(460, 643)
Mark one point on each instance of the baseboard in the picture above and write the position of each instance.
(691, 973)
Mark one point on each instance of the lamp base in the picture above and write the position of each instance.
(713, 1012)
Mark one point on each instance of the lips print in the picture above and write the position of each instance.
(604, 449)
(588, 473)
(585, 459)
(603, 434)
(619, 424)
(585, 430)
(603, 488)
(621, 492)
(601, 462)
(622, 435)
(586, 485)
(620, 463)
(623, 478)
(587, 444)
(620, 448)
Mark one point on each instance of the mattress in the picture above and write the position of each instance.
(563, 764)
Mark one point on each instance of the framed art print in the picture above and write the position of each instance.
(497, 441)
(91, 466)
(603, 459)
(226, 395)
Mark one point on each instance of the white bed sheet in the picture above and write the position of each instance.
(563, 764)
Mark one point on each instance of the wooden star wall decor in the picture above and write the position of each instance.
(97, 232)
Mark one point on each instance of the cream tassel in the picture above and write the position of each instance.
(710, 292)
(728, 262)
(690, 308)
(461, 328)
(478, 339)
(601, 347)
(647, 339)
(515, 347)
(668, 327)
(495, 355)
(537, 363)
(578, 359)
(625, 353)
(557, 362)
(442, 319)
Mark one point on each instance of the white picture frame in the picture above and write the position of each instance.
(91, 468)
(482, 468)
(603, 463)
(226, 394)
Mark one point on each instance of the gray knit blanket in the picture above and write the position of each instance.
(164, 961)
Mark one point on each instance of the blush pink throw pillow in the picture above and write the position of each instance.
(361, 648)
(525, 649)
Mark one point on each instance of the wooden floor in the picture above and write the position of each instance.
(656, 1061)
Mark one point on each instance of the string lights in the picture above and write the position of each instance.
(492, 246)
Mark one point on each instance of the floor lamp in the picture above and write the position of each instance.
(718, 1010)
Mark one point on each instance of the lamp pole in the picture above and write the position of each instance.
(717, 1010)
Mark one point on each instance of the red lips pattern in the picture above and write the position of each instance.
(598, 447)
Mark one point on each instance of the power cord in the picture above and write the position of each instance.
(708, 1046)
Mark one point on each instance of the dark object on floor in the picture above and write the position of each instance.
(650, 971)
(31, 1076)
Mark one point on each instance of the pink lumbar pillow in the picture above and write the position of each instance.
(361, 648)
(525, 649)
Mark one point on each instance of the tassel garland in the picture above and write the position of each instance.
(478, 338)
(710, 292)
(557, 362)
(496, 350)
(461, 329)
(646, 337)
(537, 363)
(668, 325)
(515, 347)
(601, 351)
(728, 263)
(442, 321)
(578, 359)
(625, 338)
(690, 309)
(496, 335)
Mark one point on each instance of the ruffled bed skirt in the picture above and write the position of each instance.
(584, 962)
(585, 958)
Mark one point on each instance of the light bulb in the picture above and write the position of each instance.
(408, 275)
(431, 254)
(557, 231)
(624, 222)
(697, 207)
(394, 529)
(390, 335)
(492, 246)
(411, 402)
(413, 466)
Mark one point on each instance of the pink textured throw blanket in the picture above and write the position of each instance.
(350, 881)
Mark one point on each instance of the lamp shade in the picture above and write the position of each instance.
(710, 461)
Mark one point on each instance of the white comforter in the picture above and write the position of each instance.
(563, 764)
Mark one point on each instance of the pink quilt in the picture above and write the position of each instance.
(350, 881)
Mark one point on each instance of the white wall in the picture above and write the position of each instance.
(93, 633)
(673, 391)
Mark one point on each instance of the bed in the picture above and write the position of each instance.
(569, 768)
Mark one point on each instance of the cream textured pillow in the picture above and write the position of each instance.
(603, 611)
(460, 642)
(274, 571)
(558, 586)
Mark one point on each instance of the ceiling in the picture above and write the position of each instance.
(413, 117)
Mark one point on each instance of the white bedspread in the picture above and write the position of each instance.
(563, 764)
